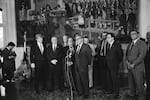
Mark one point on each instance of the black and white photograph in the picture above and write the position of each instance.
(74, 50)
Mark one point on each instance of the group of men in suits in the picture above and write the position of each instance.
(53, 57)
(137, 57)
(110, 55)
(47, 62)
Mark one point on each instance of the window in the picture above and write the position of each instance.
(1, 18)
(1, 29)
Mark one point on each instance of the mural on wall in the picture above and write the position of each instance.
(41, 21)
(22, 22)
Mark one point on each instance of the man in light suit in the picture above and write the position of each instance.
(114, 57)
(55, 56)
(38, 62)
(83, 57)
(135, 55)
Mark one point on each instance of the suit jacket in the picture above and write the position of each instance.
(137, 54)
(114, 56)
(83, 58)
(98, 49)
(35, 55)
(57, 54)
(146, 61)
(8, 63)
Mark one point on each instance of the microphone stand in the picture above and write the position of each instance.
(69, 75)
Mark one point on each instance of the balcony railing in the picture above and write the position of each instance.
(96, 26)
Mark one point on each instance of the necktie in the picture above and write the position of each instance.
(103, 48)
(54, 47)
(41, 47)
(78, 49)
(110, 45)
(131, 46)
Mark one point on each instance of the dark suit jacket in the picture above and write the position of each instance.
(35, 55)
(114, 56)
(147, 59)
(57, 54)
(98, 49)
(83, 59)
(137, 54)
(8, 64)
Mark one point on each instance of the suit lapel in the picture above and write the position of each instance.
(81, 48)
(56, 49)
(128, 51)
(38, 48)
(133, 48)
(135, 45)
(112, 45)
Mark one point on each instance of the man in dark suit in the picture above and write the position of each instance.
(147, 67)
(135, 55)
(103, 68)
(83, 58)
(8, 67)
(55, 54)
(114, 57)
(38, 62)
